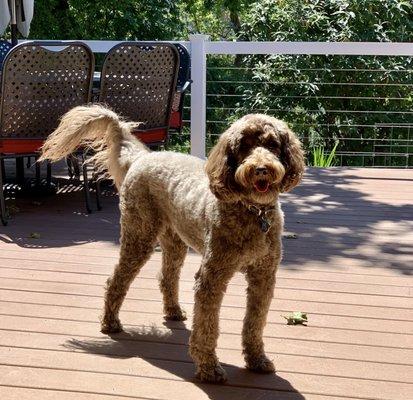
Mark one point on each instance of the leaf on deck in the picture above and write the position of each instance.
(296, 318)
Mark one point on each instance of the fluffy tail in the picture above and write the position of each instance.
(102, 130)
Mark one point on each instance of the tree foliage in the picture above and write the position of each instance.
(103, 19)
(328, 98)
(330, 20)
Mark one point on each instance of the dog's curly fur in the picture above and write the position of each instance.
(179, 201)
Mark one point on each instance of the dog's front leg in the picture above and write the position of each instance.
(261, 282)
(210, 286)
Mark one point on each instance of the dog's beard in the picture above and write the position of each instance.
(262, 189)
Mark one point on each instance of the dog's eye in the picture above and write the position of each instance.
(247, 142)
(273, 146)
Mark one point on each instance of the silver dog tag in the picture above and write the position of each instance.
(264, 225)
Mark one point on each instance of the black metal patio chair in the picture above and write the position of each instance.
(41, 81)
(138, 81)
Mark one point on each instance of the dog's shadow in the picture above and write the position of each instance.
(167, 350)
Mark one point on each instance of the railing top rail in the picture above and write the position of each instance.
(313, 48)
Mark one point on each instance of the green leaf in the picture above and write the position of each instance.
(330, 158)
(296, 318)
(34, 235)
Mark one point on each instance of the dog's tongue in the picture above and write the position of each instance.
(261, 186)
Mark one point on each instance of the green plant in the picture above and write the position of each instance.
(321, 159)
(179, 142)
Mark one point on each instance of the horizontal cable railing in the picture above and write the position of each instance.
(359, 94)
(368, 111)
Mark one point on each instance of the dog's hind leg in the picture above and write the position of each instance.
(138, 239)
(173, 255)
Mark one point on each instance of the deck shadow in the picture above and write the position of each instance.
(61, 220)
(167, 349)
(336, 222)
(335, 219)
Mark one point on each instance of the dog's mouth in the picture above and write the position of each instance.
(262, 185)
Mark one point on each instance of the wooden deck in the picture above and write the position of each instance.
(348, 266)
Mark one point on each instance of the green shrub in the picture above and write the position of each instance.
(322, 159)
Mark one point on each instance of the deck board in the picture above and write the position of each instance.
(349, 267)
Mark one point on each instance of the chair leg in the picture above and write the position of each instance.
(3, 167)
(86, 185)
(20, 170)
(69, 166)
(3, 214)
(37, 168)
(73, 167)
(48, 173)
(98, 192)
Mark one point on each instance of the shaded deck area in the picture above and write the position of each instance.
(348, 263)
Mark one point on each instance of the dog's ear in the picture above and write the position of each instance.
(292, 156)
(220, 168)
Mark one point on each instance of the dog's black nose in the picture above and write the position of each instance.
(261, 171)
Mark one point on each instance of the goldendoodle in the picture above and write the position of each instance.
(226, 209)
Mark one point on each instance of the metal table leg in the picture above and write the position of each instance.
(3, 213)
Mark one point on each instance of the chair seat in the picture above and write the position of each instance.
(153, 136)
(20, 146)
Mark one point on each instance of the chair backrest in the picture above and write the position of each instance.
(5, 46)
(176, 121)
(184, 65)
(138, 81)
(40, 82)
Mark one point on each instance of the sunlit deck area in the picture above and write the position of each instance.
(347, 263)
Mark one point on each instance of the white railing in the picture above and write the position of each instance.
(201, 47)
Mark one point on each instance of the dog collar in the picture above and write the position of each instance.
(261, 213)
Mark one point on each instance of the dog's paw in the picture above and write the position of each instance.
(111, 326)
(211, 373)
(261, 364)
(175, 314)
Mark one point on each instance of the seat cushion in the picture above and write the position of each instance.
(20, 146)
(153, 136)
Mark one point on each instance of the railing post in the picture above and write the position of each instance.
(198, 94)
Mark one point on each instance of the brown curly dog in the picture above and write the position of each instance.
(226, 209)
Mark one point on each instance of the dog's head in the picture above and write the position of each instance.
(254, 160)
